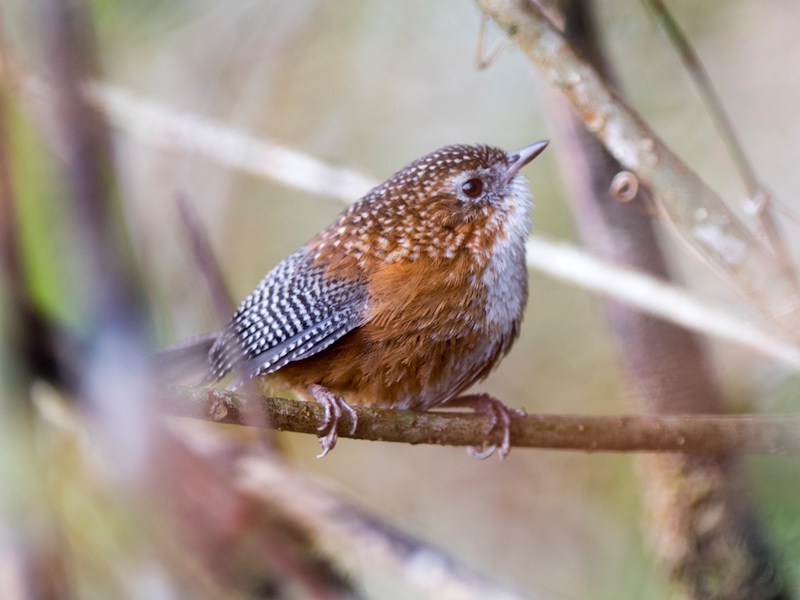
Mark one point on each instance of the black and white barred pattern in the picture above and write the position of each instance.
(294, 313)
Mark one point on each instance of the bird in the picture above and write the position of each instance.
(410, 296)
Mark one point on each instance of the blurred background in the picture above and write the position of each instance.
(371, 86)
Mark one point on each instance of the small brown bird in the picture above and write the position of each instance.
(414, 293)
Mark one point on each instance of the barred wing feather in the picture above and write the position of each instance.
(295, 312)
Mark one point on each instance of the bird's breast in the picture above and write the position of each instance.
(430, 328)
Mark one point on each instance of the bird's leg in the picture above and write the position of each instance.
(334, 406)
(499, 416)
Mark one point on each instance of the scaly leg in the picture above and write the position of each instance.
(334, 406)
(500, 416)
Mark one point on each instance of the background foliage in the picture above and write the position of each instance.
(373, 85)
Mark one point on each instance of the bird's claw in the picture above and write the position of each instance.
(499, 416)
(334, 407)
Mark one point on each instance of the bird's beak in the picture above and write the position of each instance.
(520, 158)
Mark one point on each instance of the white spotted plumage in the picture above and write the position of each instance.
(294, 312)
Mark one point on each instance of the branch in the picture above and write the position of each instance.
(696, 213)
(667, 370)
(716, 110)
(364, 543)
(752, 434)
(205, 260)
(153, 124)
(656, 297)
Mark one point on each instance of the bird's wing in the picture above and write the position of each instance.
(294, 313)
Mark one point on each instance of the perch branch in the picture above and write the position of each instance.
(753, 434)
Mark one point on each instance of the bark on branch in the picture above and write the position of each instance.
(753, 434)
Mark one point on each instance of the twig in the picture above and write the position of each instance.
(153, 124)
(220, 295)
(206, 539)
(753, 434)
(484, 60)
(701, 216)
(262, 519)
(725, 128)
(205, 260)
(656, 297)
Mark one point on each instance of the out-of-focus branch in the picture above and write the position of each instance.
(209, 268)
(758, 199)
(204, 259)
(656, 297)
(267, 526)
(32, 556)
(754, 434)
(104, 282)
(198, 535)
(153, 124)
(694, 210)
(362, 542)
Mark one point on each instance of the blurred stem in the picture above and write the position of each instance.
(364, 544)
(657, 297)
(205, 260)
(103, 269)
(708, 93)
(714, 106)
(30, 547)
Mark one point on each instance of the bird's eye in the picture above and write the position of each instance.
(472, 188)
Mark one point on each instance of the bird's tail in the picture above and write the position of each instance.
(184, 360)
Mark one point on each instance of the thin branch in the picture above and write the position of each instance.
(698, 213)
(241, 546)
(656, 297)
(155, 125)
(752, 434)
(484, 59)
(104, 280)
(205, 260)
(667, 371)
(724, 125)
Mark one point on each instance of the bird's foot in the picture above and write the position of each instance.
(499, 416)
(335, 407)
